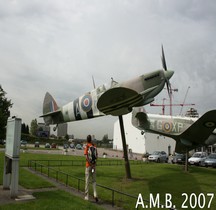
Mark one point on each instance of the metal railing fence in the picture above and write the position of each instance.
(59, 163)
(117, 197)
(76, 182)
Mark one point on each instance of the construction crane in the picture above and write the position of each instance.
(164, 105)
(170, 93)
(171, 90)
(184, 100)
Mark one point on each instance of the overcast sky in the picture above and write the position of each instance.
(57, 46)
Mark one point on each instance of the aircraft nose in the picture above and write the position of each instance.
(168, 74)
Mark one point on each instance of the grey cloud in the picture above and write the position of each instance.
(57, 46)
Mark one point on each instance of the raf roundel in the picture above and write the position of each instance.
(86, 103)
(210, 124)
(167, 126)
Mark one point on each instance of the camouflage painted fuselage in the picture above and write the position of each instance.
(189, 133)
(174, 125)
(114, 99)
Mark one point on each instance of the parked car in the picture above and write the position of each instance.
(158, 156)
(79, 146)
(65, 146)
(210, 160)
(197, 158)
(72, 146)
(37, 144)
(53, 145)
(23, 143)
(178, 158)
(47, 145)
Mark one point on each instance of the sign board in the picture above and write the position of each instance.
(13, 137)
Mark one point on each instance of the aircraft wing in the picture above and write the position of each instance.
(181, 148)
(120, 100)
(198, 132)
(51, 113)
(117, 101)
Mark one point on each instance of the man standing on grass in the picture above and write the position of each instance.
(91, 157)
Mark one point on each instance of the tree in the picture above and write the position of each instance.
(25, 128)
(67, 137)
(5, 105)
(105, 139)
(34, 127)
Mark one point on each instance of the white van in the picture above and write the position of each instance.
(197, 158)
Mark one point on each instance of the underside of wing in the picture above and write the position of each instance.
(182, 148)
(198, 132)
(119, 101)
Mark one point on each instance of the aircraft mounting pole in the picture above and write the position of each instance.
(186, 160)
(127, 164)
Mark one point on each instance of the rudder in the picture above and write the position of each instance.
(140, 118)
(49, 104)
(51, 112)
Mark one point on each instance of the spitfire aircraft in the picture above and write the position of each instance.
(114, 99)
(188, 132)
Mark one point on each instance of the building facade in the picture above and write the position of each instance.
(62, 130)
(43, 130)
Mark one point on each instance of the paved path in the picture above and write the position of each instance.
(110, 153)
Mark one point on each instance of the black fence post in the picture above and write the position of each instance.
(57, 176)
(78, 185)
(113, 197)
(66, 180)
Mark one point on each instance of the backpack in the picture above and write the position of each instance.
(92, 154)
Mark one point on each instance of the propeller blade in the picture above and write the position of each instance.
(167, 73)
(168, 87)
(163, 59)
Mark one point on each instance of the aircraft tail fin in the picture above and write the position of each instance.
(141, 121)
(140, 118)
(49, 104)
(51, 112)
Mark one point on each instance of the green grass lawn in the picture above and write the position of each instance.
(147, 179)
(54, 200)
(152, 179)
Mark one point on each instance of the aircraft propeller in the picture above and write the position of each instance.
(166, 72)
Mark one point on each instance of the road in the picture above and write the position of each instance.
(101, 151)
